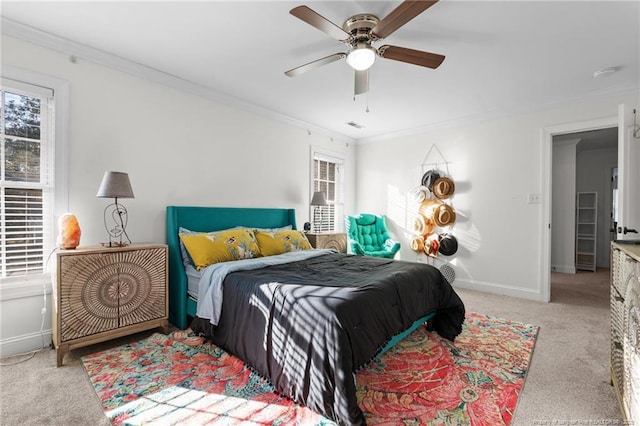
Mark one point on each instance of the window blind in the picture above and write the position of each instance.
(328, 177)
(25, 178)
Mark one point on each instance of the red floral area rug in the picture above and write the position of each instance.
(423, 380)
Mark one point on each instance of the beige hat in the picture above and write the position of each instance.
(417, 244)
(443, 188)
(418, 224)
(439, 213)
(422, 225)
(428, 206)
(444, 215)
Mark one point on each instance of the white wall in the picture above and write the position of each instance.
(178, 148)
(496, 163)
(563, 202)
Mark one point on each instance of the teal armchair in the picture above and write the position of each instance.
(368, 236)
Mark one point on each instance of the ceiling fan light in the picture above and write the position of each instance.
(361, 58)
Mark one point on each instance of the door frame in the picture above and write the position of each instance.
(546, 137)
(608, 206)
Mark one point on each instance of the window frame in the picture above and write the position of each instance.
(338, 159)
(32, 285)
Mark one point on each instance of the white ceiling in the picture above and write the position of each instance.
(501, 56)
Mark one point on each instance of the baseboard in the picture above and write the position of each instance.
(563, 269)
(25, 343)
(495, 288)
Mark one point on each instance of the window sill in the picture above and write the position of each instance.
(24, 287)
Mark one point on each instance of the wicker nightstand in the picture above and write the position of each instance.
(102, 293)
(329, 240)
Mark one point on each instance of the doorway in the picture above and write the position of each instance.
(583, 163)
(547, 137)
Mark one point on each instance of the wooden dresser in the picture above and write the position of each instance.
(100, 293)
(625, 328)
(329, 240)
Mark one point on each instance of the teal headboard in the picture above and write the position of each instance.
(206, 219)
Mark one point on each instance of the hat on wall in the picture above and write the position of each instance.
(443, 187)
(418, 224)
(428, 206)
(439, 213)
(429, 178)
(431, 246)
(444, 215)
(448, 244)
(422, 225)
(420, 193)
(417, 244)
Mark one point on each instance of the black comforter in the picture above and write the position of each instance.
(307, 326)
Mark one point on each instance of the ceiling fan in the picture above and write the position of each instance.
(359, 32)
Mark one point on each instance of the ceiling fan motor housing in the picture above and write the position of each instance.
(359, 27)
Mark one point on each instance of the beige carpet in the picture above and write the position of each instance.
(568, 379)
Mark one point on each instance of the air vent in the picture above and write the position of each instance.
(354, 124)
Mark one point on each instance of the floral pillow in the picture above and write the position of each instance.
(284, 241)
(208, 248)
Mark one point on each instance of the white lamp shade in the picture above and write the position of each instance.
(361, 58)
(115, 185)
(319, 199)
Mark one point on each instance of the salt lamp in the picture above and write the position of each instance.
(69, 237)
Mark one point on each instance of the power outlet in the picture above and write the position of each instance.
(533, 198)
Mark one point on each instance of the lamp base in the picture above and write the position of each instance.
(317, 220)
(115, 222)
(116, 244)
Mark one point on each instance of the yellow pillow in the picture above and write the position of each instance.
(278, 242)
(223, 246)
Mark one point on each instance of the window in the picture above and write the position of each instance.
(328, 177)
(26, 178)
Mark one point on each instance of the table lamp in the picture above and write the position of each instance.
(317, 201)
(116, 185)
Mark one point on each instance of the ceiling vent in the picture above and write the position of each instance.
(354, 124)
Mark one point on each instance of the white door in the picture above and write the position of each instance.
(629, 174)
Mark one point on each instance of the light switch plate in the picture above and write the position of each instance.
(533, 198)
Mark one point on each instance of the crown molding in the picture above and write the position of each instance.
(77, 50)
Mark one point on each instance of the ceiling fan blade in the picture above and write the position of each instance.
(361, 82)
(406, 11)
(315, 64)
(320, 22)
(411, 56)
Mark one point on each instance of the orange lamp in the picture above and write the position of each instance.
(69, 236)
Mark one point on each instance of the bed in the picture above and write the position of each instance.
(308, 321)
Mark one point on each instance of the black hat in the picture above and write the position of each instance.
(429, 177)
(448, 245)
